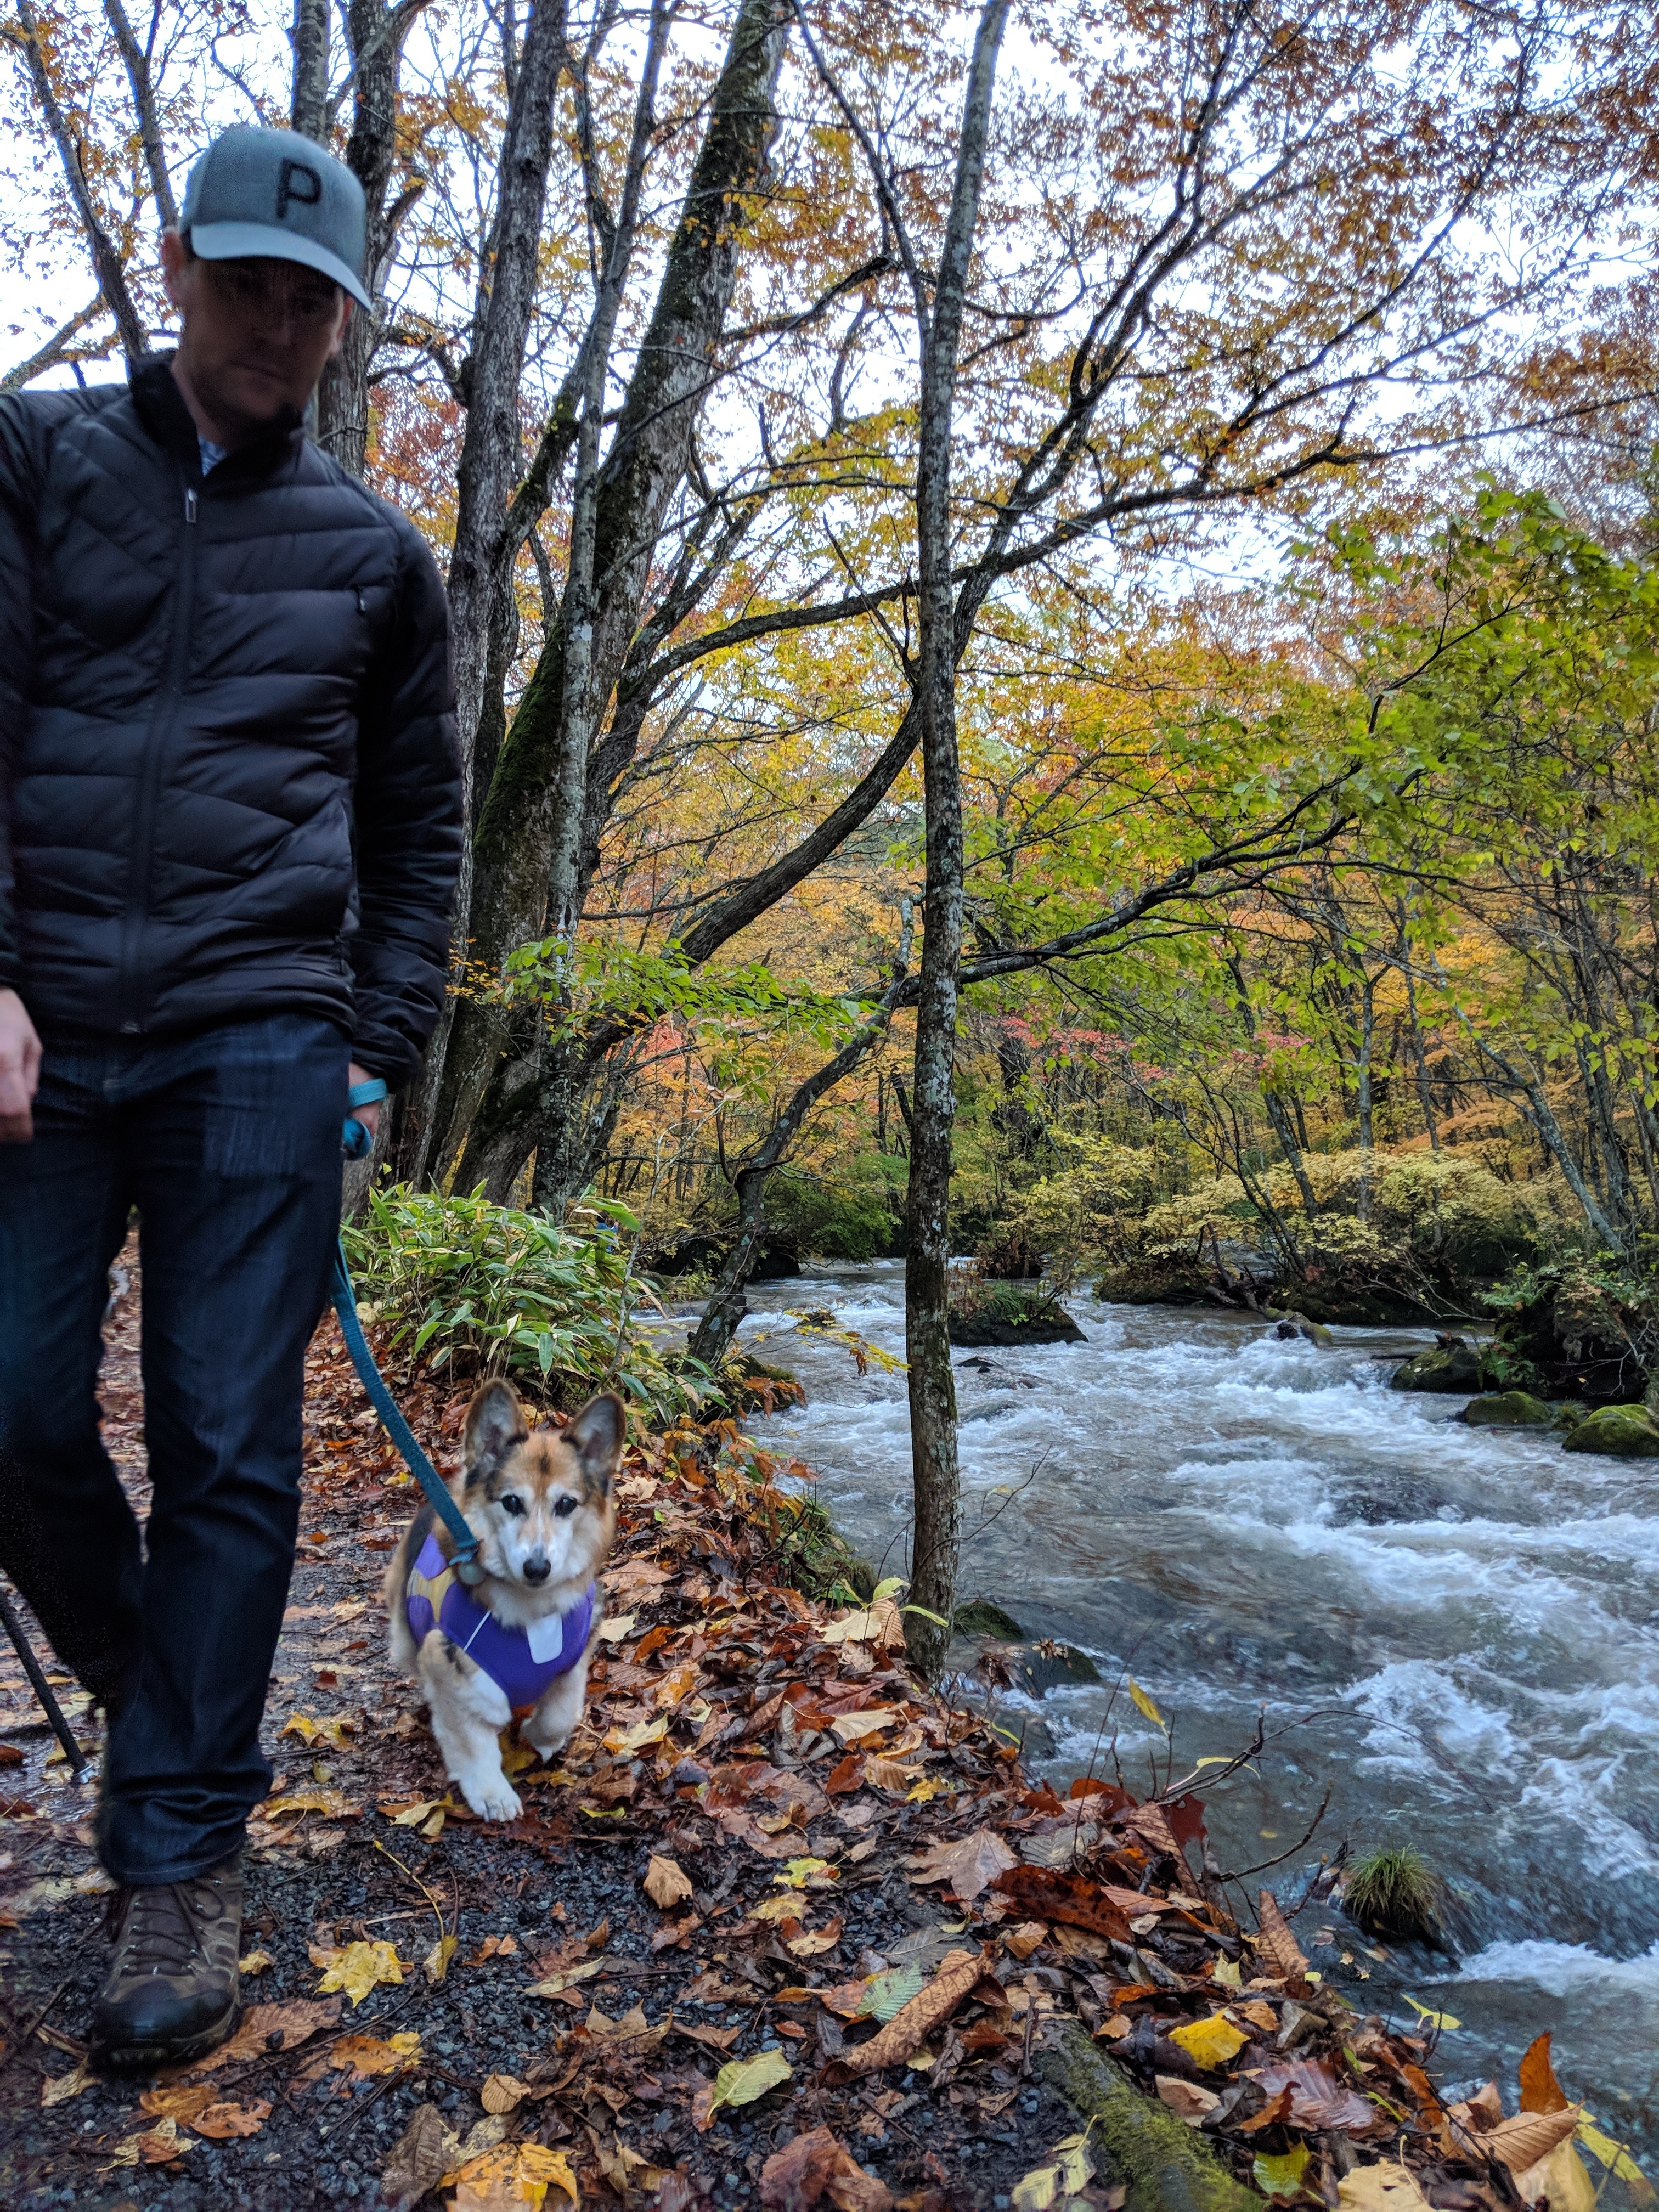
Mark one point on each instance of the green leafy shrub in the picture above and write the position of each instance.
(477, 1290)
(839, 1223)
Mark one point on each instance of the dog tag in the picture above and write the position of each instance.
(546, 1637)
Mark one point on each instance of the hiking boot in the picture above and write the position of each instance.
(171, 1992)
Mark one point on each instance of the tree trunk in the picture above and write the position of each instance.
(375, 33)
(937, 1538)
(519, 822)
(308, 114)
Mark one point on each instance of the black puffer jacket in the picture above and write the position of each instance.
(227, 761)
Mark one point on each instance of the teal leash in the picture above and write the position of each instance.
(357, 1142)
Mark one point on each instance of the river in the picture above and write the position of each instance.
(1457, 1630)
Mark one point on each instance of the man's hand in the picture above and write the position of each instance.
(368, 1115)
(20, 1070)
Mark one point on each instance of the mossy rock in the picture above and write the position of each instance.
(1617, 1432)
(1167, 2166)
(1297, 1324)
(981, 1617)
(758, 1388)
(1452, 1366)
(1050, 1666)
(1507, 1409)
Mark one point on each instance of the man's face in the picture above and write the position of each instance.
(255, 335)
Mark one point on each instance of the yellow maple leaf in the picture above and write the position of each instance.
(1211, 2043)
(356, 1968)
(1143, 1704)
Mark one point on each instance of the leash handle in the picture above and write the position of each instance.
(357, 1141)
(465, 1559)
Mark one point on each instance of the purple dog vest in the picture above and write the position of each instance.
(521, 1662)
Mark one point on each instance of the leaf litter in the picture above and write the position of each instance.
(778, 1925)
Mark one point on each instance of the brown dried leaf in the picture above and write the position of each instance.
(1318, 2099)
(1530, 2136)
(227, 2123)
(911, 2026)
(1539, 2090)
(418, 2159)
(1029, 1936)
(816, 2166)
(1049, 1894)
(814, 1940)
(180, 2102)
(666, 1882)
(501, 2093)
(293, 2022)
(969, 1866)
(1185, 2098)
(1279, 1949)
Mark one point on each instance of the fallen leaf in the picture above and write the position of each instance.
(1613, 2155)
(228, 2123)
(337, 1729)
(1318, 2099)
(178, 2102)
(501, 2093)
(1282, 2176)
(1049, 1894)
(334, 1804)
(1211, 2043)
(807, 1874)
(357, 1968)
(1277, 1947)
(666, 1882)
(566, 1977)
(741, 2081)
(816, 2165)
(1562, 2178)
(911, 2026)
(366, 2055)
(717, 2038)
(813, 1941)
(1069, 2173)
(1443, 2020)
(886, 1995)
(969, 1866)
(613, 1629)
(1385, 2187)
(416, 2160)
(65, 2086)
(1258, 2014)
(435, 1964)
(159, 2144)
(787, 1907)
(1029, 1936)
(494, 1947)
(514, 2174)
(1530, 2136)
(255, 1962)
(1539, 2090)
(291, 2023)
(1185, 2098)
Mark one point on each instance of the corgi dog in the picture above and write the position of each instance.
(542, 1504)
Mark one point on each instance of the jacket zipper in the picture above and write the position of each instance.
(133, 991)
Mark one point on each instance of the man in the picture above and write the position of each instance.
(229, 830)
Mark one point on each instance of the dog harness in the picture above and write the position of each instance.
(521, 1662)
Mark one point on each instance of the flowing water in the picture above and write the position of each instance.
(1457, 1630)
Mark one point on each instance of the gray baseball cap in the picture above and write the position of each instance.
(274, 196)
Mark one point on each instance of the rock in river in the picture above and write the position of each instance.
(1451, 1364)
(1617, 1432)
(1507, 1409)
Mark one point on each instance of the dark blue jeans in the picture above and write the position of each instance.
(228, 1144)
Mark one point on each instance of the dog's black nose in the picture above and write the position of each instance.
(537, 1567)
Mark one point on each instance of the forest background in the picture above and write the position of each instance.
(1054, 616)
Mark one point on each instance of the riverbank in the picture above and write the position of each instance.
(783, 1927)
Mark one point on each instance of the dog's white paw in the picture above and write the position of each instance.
(548, 1747)
(492, 1797)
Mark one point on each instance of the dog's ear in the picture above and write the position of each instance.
(495, 1423)
(596, 1437)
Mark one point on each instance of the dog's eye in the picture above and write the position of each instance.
(565, 1507)
(511, 1504)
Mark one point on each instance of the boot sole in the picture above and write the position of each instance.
(142, 2055)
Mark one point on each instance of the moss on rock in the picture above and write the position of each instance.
(1451, 1364)
(1167, 2166)
(1507, 1409)
(979, 1617)
(1617, 1432)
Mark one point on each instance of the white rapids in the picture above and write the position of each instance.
(1457, 1629)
